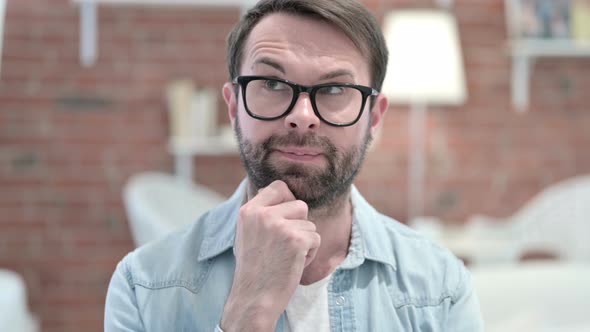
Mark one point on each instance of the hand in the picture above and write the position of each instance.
(274, 243)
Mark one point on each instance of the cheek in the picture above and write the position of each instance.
(355, 135)
(345, 140)
(254, 130)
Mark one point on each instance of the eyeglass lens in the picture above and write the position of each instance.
(271, 98)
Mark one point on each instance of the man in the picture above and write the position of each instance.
(297, 248)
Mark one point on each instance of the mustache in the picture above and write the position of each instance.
(295, 139)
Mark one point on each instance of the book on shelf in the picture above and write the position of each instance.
(581, 22)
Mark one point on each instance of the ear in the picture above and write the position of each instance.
(230, 98)
(378, 112)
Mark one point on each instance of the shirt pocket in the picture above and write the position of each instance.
(423, 314)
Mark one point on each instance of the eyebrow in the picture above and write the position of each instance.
(337, 73)
(277, 66)
(269, 62)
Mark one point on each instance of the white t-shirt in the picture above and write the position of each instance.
(308, 308)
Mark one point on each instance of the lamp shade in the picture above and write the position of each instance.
(425, 62)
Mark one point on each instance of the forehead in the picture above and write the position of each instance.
(309, 44)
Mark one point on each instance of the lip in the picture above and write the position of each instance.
(299, 154)
(298, 151)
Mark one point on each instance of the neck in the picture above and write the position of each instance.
(334, 224)
(332, 210)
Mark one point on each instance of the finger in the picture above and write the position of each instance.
(301, 224)
(290, 210)
(311, 254)
(310, 257)
(275, 193)
(310, 240)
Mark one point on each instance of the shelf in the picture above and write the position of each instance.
(184, 150)
(89, 18)
(534, 32)
(550, 48)
(524, 53)
(212, 3)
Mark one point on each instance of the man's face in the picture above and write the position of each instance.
(316, 160)
(316, 185)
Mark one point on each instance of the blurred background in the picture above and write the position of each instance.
(85, 104)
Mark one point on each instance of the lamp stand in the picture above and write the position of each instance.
(417, 165)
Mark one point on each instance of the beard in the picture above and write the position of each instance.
(317, 186)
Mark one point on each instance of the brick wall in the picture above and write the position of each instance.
(71, 136)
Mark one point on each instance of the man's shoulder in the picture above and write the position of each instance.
(409, 241)
(430, 267)
(170, 276)
(188, 252)
(426, 272)
(168, 260)
(393, 242)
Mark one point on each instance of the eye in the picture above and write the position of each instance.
(331, 90)
(275, 85)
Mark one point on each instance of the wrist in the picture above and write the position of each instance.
(247, 317)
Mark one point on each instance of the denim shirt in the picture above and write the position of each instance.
(392, 279)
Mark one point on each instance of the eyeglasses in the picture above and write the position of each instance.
(337, 104)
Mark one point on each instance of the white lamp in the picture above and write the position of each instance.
(425, 67)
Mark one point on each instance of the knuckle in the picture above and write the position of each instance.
(301, 205)
(245, 212)
(297, 242)
(279, 184)
(254, 215)
(263, 214)
(312, 226)
(318, 239)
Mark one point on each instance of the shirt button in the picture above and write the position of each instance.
(340, 300)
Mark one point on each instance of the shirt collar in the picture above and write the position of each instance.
(369, 235)
(370, 238)
(220, 224)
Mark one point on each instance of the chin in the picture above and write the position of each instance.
(301, 188)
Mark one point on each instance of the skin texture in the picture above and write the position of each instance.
(280, 241)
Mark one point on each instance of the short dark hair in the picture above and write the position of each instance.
(348, 15)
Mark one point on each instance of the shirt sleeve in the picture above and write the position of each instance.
(465, 314)
(121, 311)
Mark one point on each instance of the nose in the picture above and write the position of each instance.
(302, 117)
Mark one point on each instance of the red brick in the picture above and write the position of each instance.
(62, 222)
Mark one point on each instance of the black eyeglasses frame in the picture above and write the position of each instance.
(365, 91)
